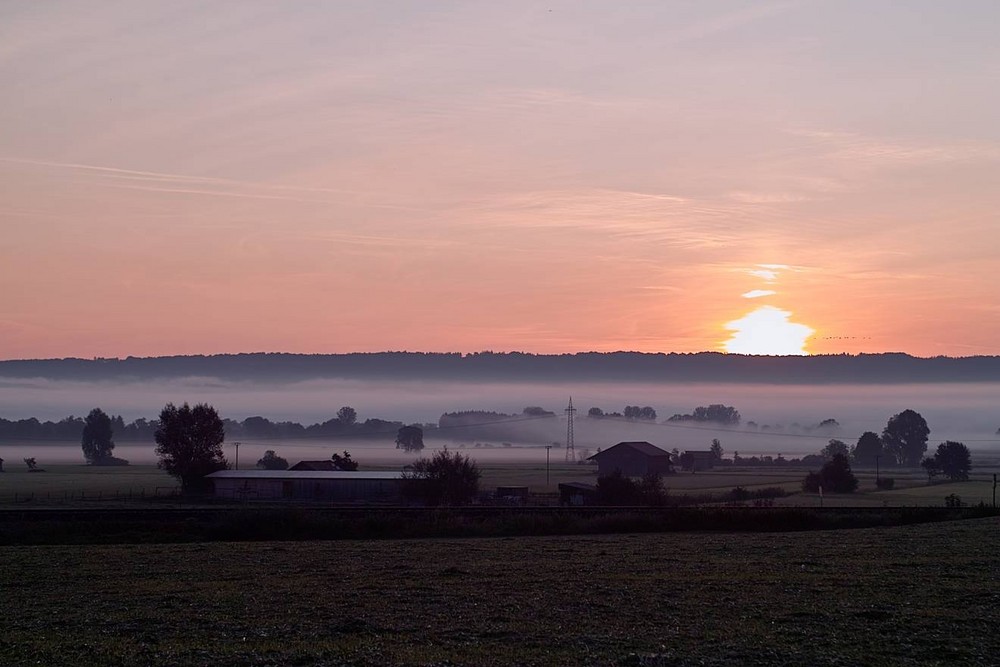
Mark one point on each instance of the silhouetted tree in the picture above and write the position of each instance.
(536, 411)
(833, 448)
(410, 438)
(834, 477)
(595, 413)
(717, 451)
(931, 467)
(189, 444)
(905, 438)
(97, 437)
(954, 460)
(647, 413)
(344, 462)
(271, 461)
(444, 479)
(868, 449)
(347, 415)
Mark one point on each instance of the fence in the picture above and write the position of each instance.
(119, 495)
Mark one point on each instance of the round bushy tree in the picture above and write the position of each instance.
(97, 440)
(905, 438)
(189, 444)
(271, 461)
(953, 460)
(868, 450)
(410, 438)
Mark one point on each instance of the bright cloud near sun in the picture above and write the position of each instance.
(767, 330)
(758, 293)
(766, 274)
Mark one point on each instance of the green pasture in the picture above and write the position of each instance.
(911, 595)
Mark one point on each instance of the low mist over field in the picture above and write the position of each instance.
(964, 412)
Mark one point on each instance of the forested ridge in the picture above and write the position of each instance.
(518, 366)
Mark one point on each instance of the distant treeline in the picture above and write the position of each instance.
(70, 429)
(519, 366)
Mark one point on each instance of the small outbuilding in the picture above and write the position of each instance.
(633, 459)
(337, 486)
(577, 494)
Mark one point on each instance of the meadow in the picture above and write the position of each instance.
(918, 595)
(62, 484)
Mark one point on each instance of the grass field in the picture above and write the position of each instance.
(910, 595)
(60, 481)
(67, 483)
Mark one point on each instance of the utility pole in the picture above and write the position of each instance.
(994, 490)
(876, 470)
(237, 444)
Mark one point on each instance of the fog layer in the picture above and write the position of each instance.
(954, 411)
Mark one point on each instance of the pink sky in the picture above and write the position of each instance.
(330, 177)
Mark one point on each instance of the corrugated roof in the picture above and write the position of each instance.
(306, 474)
(641, 446)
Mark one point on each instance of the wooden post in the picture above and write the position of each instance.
(994, 490)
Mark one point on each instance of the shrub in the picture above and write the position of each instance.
(834, 477)
(739, 494)
(953, 500)
(617, 489)
(444, 479)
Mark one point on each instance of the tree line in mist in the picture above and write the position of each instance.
(71, 428)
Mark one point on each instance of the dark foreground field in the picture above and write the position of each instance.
(925, 594)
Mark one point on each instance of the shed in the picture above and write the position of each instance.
(633, 459)
(330, 486)
(577, 493)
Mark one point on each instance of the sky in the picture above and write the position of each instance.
(768, 177)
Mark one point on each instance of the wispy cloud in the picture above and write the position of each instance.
(112, 177)
(859, 149)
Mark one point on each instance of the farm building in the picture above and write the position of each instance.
(633, 459)
(331, 486)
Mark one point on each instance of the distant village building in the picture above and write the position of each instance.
(633, 459)
(328, 486)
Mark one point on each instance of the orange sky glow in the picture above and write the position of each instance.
(779, 177)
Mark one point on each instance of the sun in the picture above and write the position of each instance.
(767, 330)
